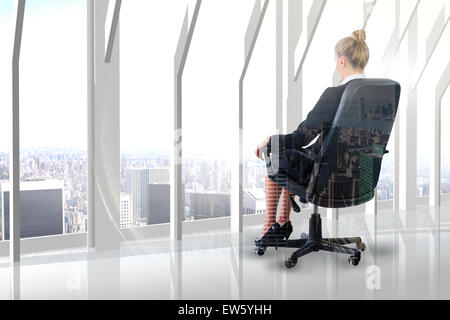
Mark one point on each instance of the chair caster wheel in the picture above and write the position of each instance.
(259, 251)
(361, 246)
(354, 260)
(304, 236)
(290, 262)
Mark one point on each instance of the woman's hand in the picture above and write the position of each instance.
(262, 144)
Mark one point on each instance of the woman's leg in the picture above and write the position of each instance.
(286, 207)
(273, 192)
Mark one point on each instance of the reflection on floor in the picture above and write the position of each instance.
(407, 257)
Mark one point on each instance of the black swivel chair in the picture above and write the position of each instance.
(346, 171)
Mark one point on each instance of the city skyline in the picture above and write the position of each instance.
(71, 168)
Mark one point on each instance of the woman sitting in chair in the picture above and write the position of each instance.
(352, 56)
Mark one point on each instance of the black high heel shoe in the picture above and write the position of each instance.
(272, 234)
(285, 230)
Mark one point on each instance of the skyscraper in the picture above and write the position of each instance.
(158, 203)
(159, 175)
(209, 205)
(41, 208)
(136, 185)
(126, 211)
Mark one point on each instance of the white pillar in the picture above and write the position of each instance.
(15, 281)
(14, 163)
(396, 136)
(280, 70)
(435, 174)
(408, 128)
(396, 128)
(176, 270)
(435, 168)
(289, 25)
(103, 127)
(90, 119)
(176, 185)
(237, 168)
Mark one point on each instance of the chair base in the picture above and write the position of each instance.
(313, 243)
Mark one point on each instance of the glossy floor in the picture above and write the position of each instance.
(407, 256)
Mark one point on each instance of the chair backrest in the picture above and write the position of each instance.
(355, 143)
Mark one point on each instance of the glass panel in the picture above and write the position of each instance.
(320, 64)
(427, 15)
(149, 32)
(406, 8)
(6, 38)
(425, 122)
(210, 99)
(259, 111)
(53, 173)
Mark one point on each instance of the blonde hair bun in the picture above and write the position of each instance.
(355, 49)
(359, 35)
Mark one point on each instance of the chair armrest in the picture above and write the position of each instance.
(265, 153)
(308, 154)
(271, 169)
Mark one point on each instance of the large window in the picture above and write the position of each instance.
(259, 111)
(149, 35)
(210, 99)
(149, 32)
(319, 65)
(427, 16)
(6, 38)
(53, 157)
(53, 120)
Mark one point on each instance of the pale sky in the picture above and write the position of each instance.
(53, 75)
(53, 69)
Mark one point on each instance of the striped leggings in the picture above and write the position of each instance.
(273, 193)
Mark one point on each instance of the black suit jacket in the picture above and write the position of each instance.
(317, 122)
